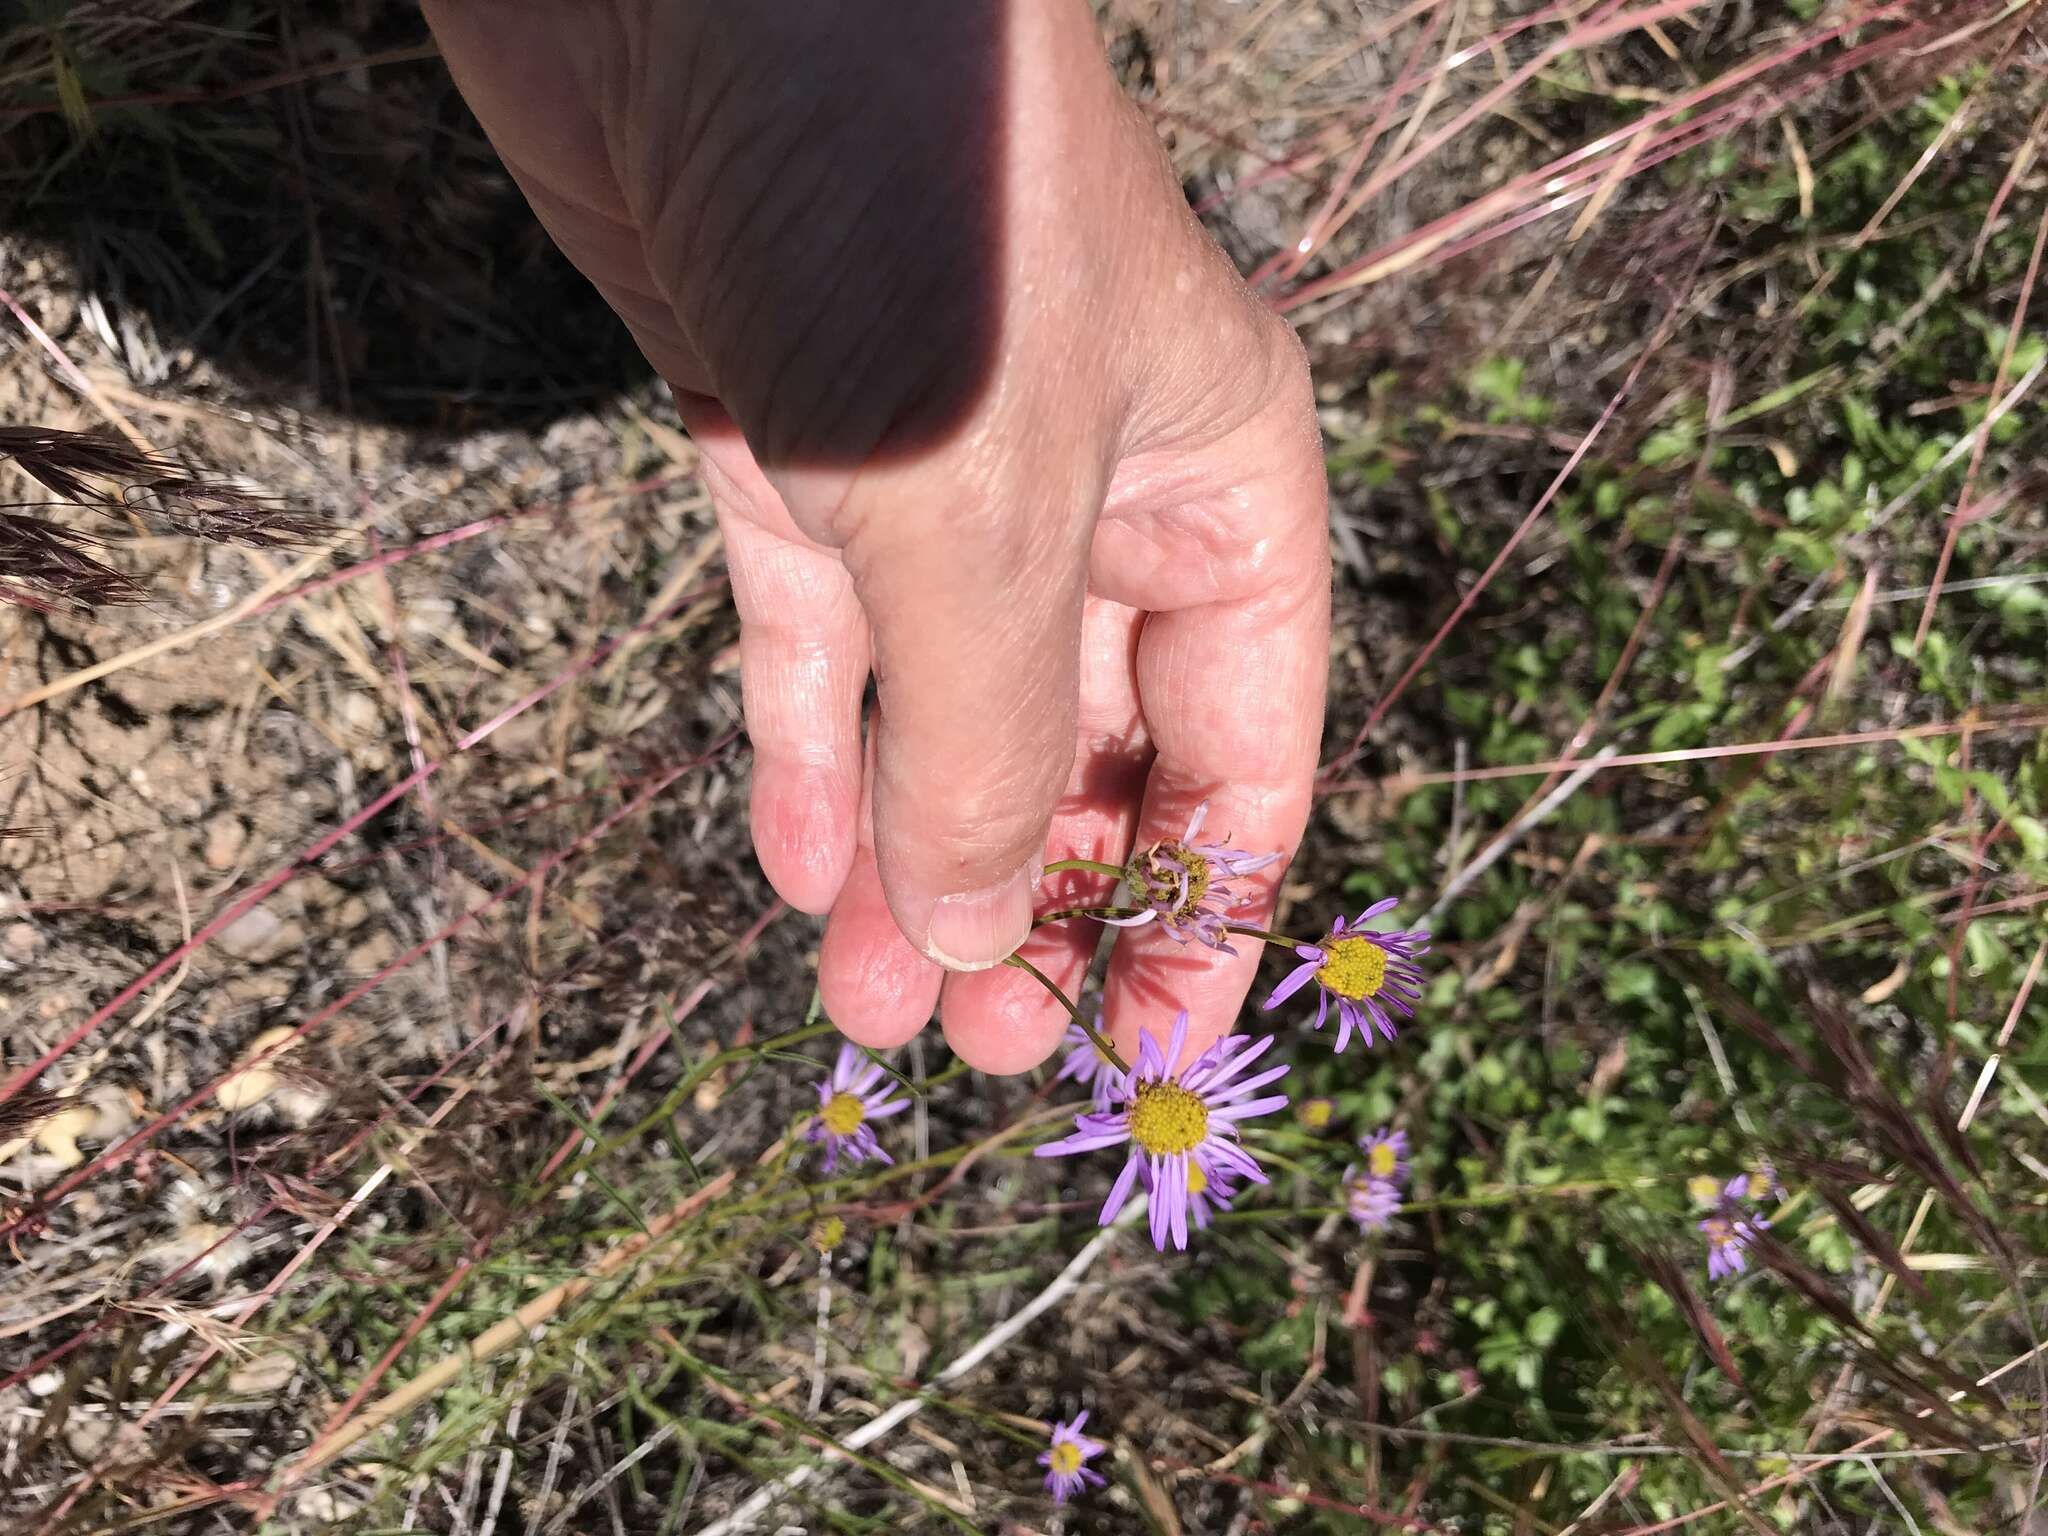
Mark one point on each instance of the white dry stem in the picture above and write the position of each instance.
(503, 1476)
(1516, 831)
(613, 1473)
(1061, 1285)
(818, 1335)
(560, 1442)
(1722, 1070)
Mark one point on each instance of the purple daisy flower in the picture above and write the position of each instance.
(1386, 1156)
(1177, 1120)
(1180, 885)
(856, 1094)
(1373, 1203)
(1728, 1240)
(1065, 1460)
(1086, 1064)
(1368, 974)
(1374, 1193)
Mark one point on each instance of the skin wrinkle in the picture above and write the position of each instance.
(833, 408)
(799, 202)
(739, 72)
(657, 160)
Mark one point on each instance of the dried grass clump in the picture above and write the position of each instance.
(45, 565)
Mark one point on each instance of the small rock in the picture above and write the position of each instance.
(259, 934)
(87, 1436)
(263, 1375)
(225, 838)
(373, 954)
(21, 941)
(255, 1083)
(359, 712)
(257, 987)
(59, 1134)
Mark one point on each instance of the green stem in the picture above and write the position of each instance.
(1088, 1029)
(1271, 938)
(1064, 913)
(1061, 866)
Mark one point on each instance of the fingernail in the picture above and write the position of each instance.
(978, 929)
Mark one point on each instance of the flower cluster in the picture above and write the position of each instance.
(1179, 1120)
(1732, 1225)
(1175, 1112)
(1373, 1193)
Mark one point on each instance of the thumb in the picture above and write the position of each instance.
(974, 597)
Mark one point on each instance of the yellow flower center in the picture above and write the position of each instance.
(1197, 1180)
(1315, 1113)
(1381, 1160)
(1155, 880)
(1704, 1188)
(1719, 1233)
(1166, 1118)
(843, 1114)
(1353, 967)
(1066, 1458)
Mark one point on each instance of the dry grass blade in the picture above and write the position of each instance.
(100, 471)
(351, 1427)
(164, 643)
(43, 565)
(1697, 1314)
(68, 463)
(1871, 1236)
(21, 1114)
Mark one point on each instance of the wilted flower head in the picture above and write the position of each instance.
(1704, 1188)
(1176, 1121)
(1728, 1240)
(1367, 973)
(849, 1101)
(1372, 1202)
(1181, 885)
(827, 1233)
(1315, 1113)
(1086, 1064)
(1764, 1183)
(1732, 1227)
(1065, 1460)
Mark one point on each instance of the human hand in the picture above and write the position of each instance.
(983, 412)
